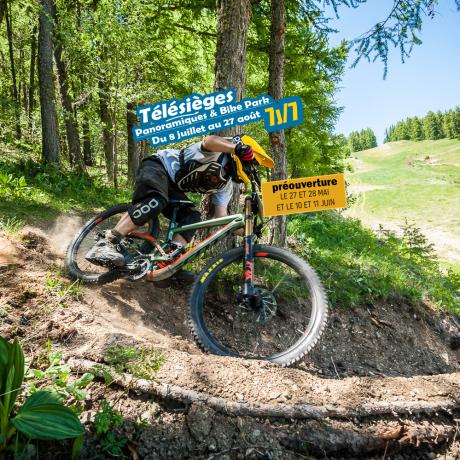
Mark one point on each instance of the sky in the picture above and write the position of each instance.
(428, 80)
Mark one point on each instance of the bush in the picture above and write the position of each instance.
(359, 267)
(32, 189)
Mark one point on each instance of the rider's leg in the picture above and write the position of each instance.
(178, 238)
(185, 215)
(149, 198)
(125, 225)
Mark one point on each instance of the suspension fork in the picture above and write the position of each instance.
(248, 265)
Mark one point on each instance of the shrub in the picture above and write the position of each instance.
(41, 416)
(359, 267)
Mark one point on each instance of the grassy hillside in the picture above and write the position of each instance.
(419, 181)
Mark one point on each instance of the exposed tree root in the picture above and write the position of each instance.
(303, 411)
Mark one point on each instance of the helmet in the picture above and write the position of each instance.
(240, 170)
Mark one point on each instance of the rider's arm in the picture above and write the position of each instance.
(221, 199)
(217, 144)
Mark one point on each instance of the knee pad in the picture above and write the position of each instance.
(146, 209)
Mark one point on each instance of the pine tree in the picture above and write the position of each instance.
(431, 126)
(401, 133)
(456, 123)
(387, 136)
(354, 141)
(371, 139)
(416, 133)
(440, 124)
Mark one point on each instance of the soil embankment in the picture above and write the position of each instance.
(384, 378)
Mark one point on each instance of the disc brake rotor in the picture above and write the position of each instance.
(266, 305)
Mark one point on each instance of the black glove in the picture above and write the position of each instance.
(244, 152)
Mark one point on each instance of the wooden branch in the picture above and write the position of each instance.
(195, 31)
(300, 411)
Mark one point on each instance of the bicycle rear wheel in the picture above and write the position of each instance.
(282, 326)
(80, 268)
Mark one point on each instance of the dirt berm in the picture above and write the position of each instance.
(384, 381)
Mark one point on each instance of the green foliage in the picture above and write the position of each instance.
(432, 126)
(362, 140)
(52, 190)
(54, 376)
(357, 267)
(113, 444)
(41, 416)
(106, 422)
(106, 419)
(13, 186)
(141, 363)
(63, 289)
(11, 225)
(400, 29)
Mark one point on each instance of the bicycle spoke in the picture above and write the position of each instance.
(275, 322)
(279, 282)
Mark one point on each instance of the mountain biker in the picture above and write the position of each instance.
(209, 166)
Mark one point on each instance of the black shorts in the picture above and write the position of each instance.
(152, 181)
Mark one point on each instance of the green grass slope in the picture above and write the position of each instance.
(418, 181)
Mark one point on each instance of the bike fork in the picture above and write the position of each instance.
(248, 267)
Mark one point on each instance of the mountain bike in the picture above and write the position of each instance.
(255, 301)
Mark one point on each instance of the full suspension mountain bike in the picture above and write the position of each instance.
(255, 301)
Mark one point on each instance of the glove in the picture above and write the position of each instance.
(244, 152)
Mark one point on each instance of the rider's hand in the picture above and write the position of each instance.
(244, 152)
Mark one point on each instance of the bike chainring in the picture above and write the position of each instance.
(137, 268)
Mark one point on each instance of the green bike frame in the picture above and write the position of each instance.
(228, 224)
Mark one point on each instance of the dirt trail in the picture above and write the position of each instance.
(379, 354)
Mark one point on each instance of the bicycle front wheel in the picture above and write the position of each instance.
(284, 323)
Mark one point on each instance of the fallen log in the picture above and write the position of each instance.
(300, 411)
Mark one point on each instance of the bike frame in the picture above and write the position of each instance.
(228, 224)
(252, 207)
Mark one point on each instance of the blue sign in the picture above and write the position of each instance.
(175, 120)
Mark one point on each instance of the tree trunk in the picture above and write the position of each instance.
(23, 81)
(278, 227)
(50, 128)
(33, 58)
(16, 97)
(2, 9)
(133, 151)
(87, 155)
(71, 127)
(107, 130)
(233, 17)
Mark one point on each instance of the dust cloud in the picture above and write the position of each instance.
(9, 254)
(63, 230)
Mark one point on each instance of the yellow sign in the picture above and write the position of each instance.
(308, 194)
